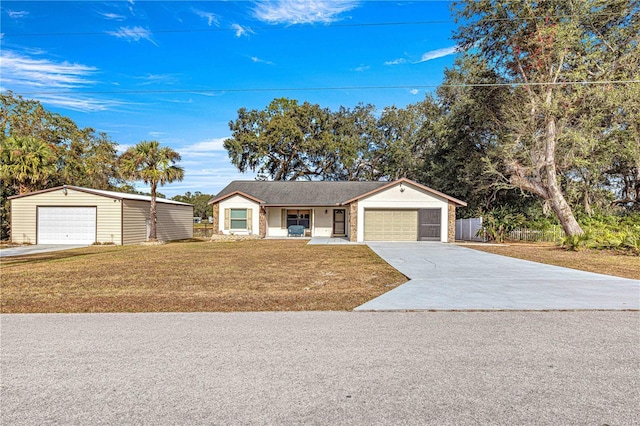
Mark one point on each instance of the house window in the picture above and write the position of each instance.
(298, 217)
(238, 219)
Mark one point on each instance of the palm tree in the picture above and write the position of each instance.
(149, 162)
(26, 162)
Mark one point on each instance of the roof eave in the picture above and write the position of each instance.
(408, 182)
(231, 194)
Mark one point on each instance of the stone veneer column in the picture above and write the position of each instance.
(263, 222)
(216, 218)
(353, 222)
(451, 226)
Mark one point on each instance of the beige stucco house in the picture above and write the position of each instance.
(401, 210)
(75, 215)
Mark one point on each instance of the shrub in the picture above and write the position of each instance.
(497, 223)
(607, 233)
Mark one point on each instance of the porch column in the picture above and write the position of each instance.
(263, 222)
(451, 224)
(216, 218)
(353, 222)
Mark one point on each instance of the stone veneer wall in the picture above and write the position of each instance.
(216, 218)
(451, 226)
(353, 222)
(225, 238)
(263, 222)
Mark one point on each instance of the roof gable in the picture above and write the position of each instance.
(411, 183)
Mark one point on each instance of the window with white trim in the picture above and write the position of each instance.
(238, 218)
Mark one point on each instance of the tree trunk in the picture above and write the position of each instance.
(153, 213)
(563, 212)
(556, 199)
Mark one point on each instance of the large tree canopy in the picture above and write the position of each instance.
(288, 141)
(29, 133)
(551, 127)
(40, 149)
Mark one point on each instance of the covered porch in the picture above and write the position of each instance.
(318, 221)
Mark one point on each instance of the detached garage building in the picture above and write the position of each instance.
(74, 215)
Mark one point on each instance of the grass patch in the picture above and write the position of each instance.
(263, 275)
(600, 261)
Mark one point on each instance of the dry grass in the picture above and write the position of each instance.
(600, 261)
(191, 276)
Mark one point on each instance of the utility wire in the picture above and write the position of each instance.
(318, 89)
(272, 28)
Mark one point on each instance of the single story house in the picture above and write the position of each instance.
(75, 215)
(401, 210)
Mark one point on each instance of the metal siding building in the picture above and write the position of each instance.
(74, 215)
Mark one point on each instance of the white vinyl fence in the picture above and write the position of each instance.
(470, 229)
(553, 234)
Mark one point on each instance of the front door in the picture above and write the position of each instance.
(429, 224)
(339, 222)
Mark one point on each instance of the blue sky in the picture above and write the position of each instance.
(178, 72)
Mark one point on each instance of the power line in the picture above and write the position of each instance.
(320, 89)
(274, 28)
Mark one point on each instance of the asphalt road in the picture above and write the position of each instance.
(322, 368)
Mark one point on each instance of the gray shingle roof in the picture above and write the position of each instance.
(300, 193)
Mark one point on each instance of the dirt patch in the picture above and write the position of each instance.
(600, 261)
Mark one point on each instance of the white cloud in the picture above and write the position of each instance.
(157, 79)
(414, 91)
(209, 94)
(301, 11)
(156, 134)
(135, 34)
(211, 18)
(24, 71)
(17, 14)
(362, 68)
(209, 180)
(122, 148)
(78, 102)
(112, 16)
(206, 168)
(438, 53)
(241, 31)
(261, 61)
(204, 148)
(396, 61)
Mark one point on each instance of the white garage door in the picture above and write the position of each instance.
(390, 225)
(66, 225)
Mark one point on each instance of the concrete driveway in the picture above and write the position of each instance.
(37, 249)
(450, 277)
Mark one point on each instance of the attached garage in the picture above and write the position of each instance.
(404, 211)
(402, 225)
(75, 215)
(390, 225)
